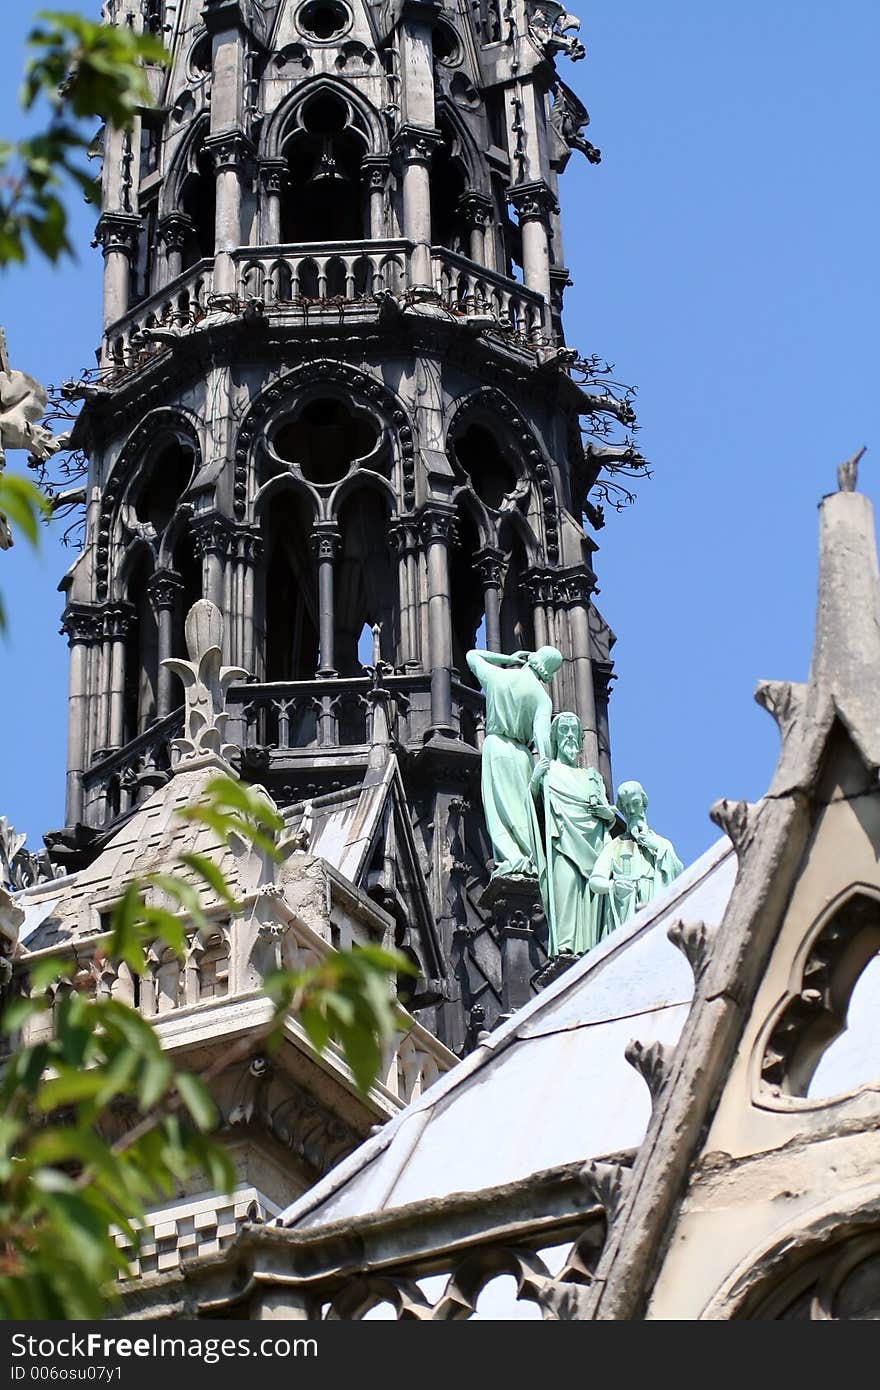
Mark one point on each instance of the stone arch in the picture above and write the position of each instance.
(159, 426)
(337, 378)
(793, 1265)
(283, 121)
(526, 457)
(833, 955)
(182, 165)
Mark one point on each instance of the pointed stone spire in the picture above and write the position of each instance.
(845, 666)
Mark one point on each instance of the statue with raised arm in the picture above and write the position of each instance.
(518, 713)
(634, 869)
(577, 819)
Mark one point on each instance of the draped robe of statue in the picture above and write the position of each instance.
(638, 873)
(517, 705)
(575, 837)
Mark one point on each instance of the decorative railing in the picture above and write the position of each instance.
(345, 272)
(342, 276)
(229, 960)
(121, 780)
(473, 289)
(183, 301)
(317, 716)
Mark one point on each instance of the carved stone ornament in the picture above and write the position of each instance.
(22, 403)
(532, 201)
(118, 231)
(651, 1061)
(737, 820)
(568, 118)
(549, 27)
(416, 145)
(694, 940)
(205, 682)
(784, 700)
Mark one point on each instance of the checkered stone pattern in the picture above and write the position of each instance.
(201, 1228)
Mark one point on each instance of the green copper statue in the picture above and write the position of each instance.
(577, 818)
(518, 711)
(635, 868)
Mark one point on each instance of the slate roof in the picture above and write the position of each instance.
(548, 1087)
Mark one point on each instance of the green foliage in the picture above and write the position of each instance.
(99, 1071)
(23, 504)
(84, 71)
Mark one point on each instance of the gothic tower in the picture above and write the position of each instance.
(333, 398)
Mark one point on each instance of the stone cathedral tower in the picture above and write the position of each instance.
(334, 399)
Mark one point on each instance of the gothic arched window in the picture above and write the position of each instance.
(323, 199)
(290, 608)
(366, 586)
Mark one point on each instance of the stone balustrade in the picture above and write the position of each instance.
(343, 276)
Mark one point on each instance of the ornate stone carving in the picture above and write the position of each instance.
(205, 683)
(532, 201)
(82, 622)
(695, 941)
(737, 820)
(164, 589)
(573, 587)
(550, 28)
(489, 566)
(608, 1183)
(273, 174)
(784, 700)
(22, 403)
(651, 1061)
(211, 535)
(326, 539)
(848, 473)
(476, 209)
(438, 522)
(416, 144)
(118, 231)
(568, 117)
(175, 231)
(229, 150)
(19, 867)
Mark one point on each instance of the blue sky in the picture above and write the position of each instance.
(723, 258)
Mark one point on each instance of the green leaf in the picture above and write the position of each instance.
(154, 1081)
(212, 874)
(197, 1099)
(22, 504)
(17, 1013)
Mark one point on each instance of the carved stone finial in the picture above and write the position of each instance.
(737, 820)
(608, 1183)
(205, 684)
(651, 1061)
(848, 473)
(695, 941)
(784, 700)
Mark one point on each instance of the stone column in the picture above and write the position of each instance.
(231, 153)
(438, 533)
(537, 590)
(83, 626)
(571, 591)
(210, 541)
(117, 235)
(533, 203)
(165, 591)
(118, 622)
(325, 542)
(489, 565)
(414, 147)
(174, 233)
(273, 173)
(248, 547)
(375, 167)
(476, 210)
(403, 536)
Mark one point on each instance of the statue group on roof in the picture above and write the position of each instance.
(550, 819)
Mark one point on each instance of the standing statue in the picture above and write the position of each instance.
(634, 869)
(577, 820)
(518, 712)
